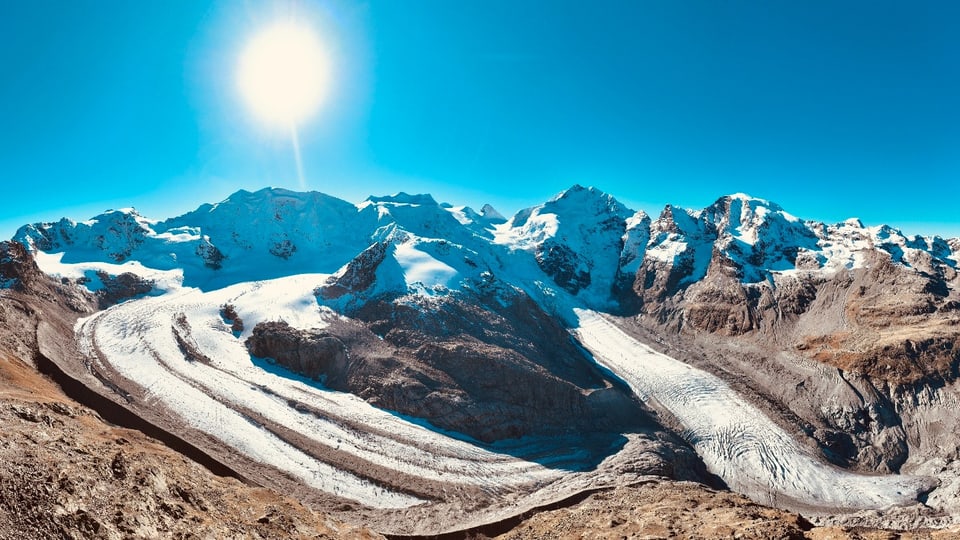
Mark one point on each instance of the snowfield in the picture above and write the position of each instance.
(738, 443)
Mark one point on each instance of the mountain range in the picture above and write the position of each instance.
(427, 368)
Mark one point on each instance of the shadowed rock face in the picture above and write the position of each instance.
(121, 287)
(17, 267)
(358, 275)
(563, 265)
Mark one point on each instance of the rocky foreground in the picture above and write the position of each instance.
(687, 510)
(66, 473)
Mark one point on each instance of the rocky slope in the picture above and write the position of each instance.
(869, 300)
(687, 511)
(486, 360)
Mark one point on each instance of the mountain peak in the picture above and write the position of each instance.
(128, 211)
(853, 222)
(744, 200)
(578, 190)
(268, 192)
(490, 213)
(674, 219)
(741, 196)
(588, 200)
(423, 199)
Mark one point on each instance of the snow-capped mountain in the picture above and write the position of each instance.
(587, 243)
(771, 336)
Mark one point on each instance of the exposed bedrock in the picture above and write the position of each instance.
(312, 353)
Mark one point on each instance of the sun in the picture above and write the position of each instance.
(284, 74)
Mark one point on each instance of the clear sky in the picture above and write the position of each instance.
(831, 108)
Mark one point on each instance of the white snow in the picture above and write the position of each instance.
(52, 264)
(668, 250)
(740, 444)
(420, 268)
(635, 238)
(462, 214)
(537, 228)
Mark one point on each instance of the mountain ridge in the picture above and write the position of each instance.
(280, 222)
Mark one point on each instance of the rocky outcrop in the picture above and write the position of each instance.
(684, 510)
(120, 287)
(228, 312)
(358, 275)
(312, 353)
(210, 254)
(17, 268)
(281, 246)
(564, 266)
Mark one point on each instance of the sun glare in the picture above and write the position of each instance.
(283, 74)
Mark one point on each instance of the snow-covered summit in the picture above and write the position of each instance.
(115, 234)
(491, 214)
(576, 238)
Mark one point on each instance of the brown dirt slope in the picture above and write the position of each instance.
(64, 473)
(660, 510)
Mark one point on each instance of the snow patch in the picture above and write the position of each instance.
(421, 268)
(52, 264)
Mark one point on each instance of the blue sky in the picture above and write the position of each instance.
(831, 108)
